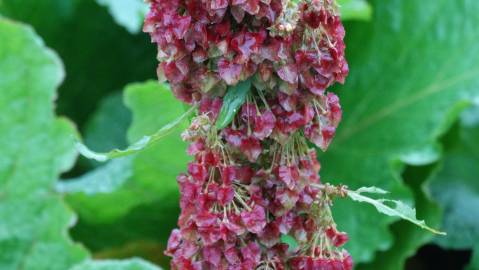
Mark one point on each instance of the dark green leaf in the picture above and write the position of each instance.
(107, 127)
(234, 98)
(407, 237)
(475, 259)
(131, 264)
(401, 95)
(456, 188)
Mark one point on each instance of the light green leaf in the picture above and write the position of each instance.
(149, 196)
(104, 179)
(456, 188)
(36, 147)
(234, 98)
(475, 259)
(355, 9)
(140, 145)
(153, 106)
(402, 94)
(398, 208)
(408, 237)
(375, 190)
(131, 264)
(127, 13)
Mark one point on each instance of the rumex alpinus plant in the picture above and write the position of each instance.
(257, 72)
(254, 176)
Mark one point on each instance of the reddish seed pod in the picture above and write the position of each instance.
(257, 179)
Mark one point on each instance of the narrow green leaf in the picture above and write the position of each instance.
(399, 209)
(474, 264)
(290, 241)
(140, 145)
(234, 98)
(355, 10)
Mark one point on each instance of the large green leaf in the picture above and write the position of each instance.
(475, 259)
(36, 148)
(153, 170)
(146, 186)
(132, 264)
(456, 189)
(403, 93)
(99, 55)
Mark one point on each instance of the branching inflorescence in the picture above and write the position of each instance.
(254, 178)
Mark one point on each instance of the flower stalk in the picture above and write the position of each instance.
(258, 71)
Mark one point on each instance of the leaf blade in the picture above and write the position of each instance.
(400, 209)
(34, 221)
(138, 146)
(355, 10)
(234, 98)
(130, 264)
(382, 130)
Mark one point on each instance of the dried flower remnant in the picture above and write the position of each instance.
(258, 178)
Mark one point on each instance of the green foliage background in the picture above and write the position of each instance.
(411, 126)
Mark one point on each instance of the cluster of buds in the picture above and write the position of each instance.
(257, 179)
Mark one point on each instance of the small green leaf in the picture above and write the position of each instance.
(127, 13)
(399, 209)
(290, 241)
(355, 10)
(140, 145)
(234, 98)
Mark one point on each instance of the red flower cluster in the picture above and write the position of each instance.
(206, 45)
(256, 180)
